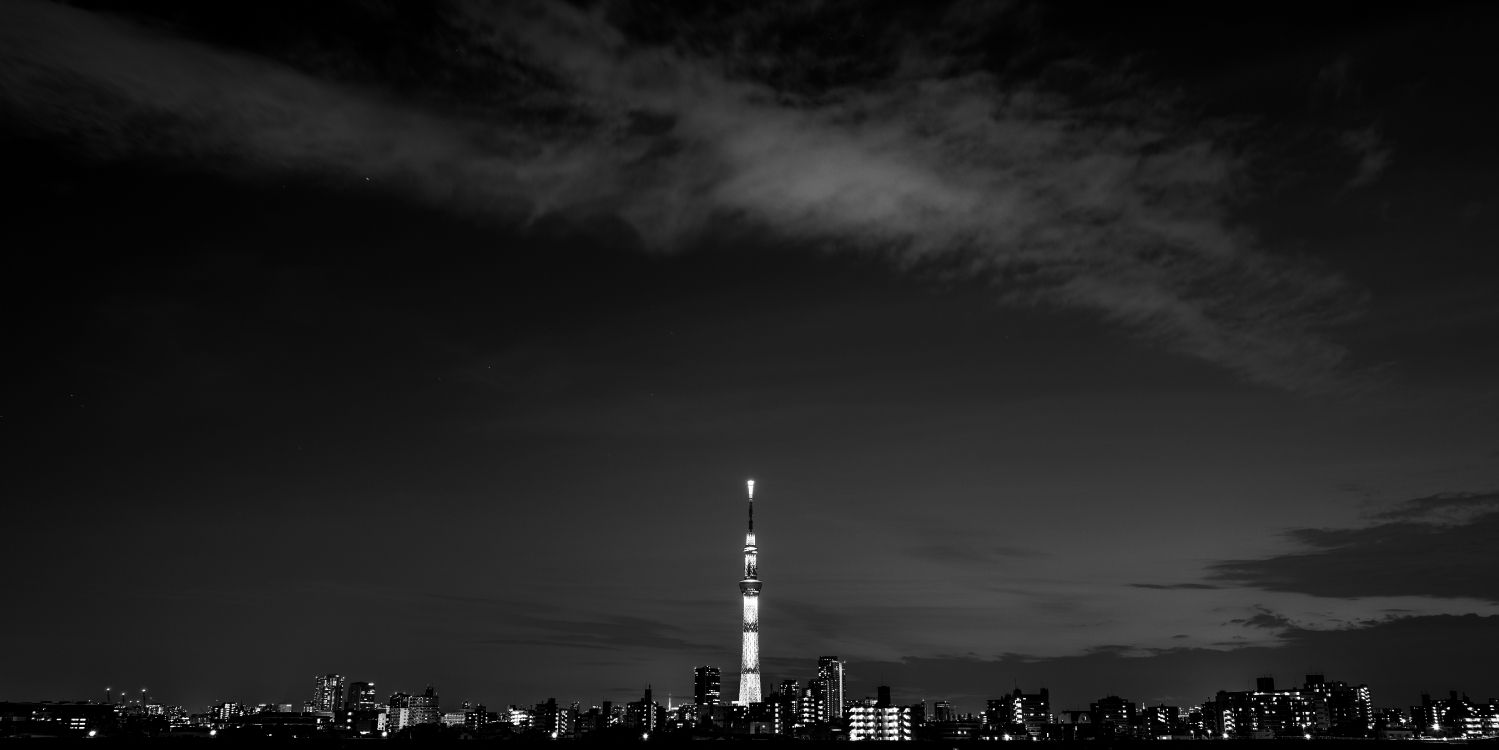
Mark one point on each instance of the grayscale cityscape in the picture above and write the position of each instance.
(806, 371)
(814, 707)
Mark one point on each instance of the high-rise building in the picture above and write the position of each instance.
(424, 707)
(398, 717)
(327, 693)
(785, 700)
(1340, 709)
(1112, 716)
(408, 710)
(477, 716)
(705, 687)
(1162, 721)
(811, 707)
(225, 712)
(1266, 713)
(942, 712)
(1029, 710)
(830, 671)
(644, 715)
(361, 697)
(749, 589)
(555, 720)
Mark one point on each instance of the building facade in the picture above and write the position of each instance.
(706, 684)
(327, 693)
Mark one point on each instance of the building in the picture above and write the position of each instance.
(327, 694)
(1111, 716)
(644, 715)
(942, 712)
(407, 710)
(1341, 709)
(785, 700)
(705, 686)
(1018, 712)
(522, 718)
(1317, 708)
(361, 697)
(830, 674)
(556, 721)
(222, 713)
(55, 719)
(879, 719)
(424, 707)
(810, 706)
(281, 725)
(398, 716)
(749, 590)
(1162, 721)
(1456, 717)
(1264, 713)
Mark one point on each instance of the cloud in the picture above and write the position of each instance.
(1446, 506)
(901, 148)
(1373, 155)
(1175, 586)
(1188, 676)
(1264, 619)
(1437, 546)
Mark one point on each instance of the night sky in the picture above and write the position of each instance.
(1104, 349)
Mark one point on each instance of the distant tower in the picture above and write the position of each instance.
(749, 587)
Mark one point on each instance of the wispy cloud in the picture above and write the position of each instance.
(1264, 619)
(1437, 546)
(1189, 675)
(1175, 586)
(1119, 206)
(1372, 153)
(1450, 507)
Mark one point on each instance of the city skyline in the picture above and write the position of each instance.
(1316, 709)
(333, 691)
(1124, 351)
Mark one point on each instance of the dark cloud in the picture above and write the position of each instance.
(1444, 505)
(901, 141)
(1439, 546)
(1185, 676)
(1265, 619)
(1175, 586)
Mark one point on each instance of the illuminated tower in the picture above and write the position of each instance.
(749, 587)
